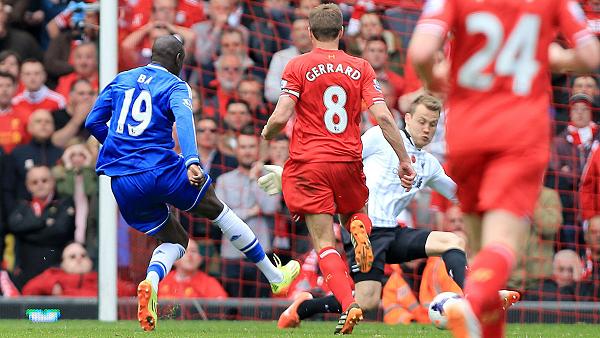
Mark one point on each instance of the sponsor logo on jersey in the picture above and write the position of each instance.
(283, 84)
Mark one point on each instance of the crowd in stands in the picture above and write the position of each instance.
(236, 51)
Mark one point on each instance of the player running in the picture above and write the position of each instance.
(324, 173)
(147, 175)
(498, 127)
(392, 244)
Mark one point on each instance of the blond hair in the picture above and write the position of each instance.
(430, 102)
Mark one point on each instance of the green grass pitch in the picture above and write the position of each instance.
(248, 329)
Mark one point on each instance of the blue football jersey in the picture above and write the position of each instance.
(141, 105)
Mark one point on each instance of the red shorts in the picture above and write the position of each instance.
(510, 180)
(324, 188)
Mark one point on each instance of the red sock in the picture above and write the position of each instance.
(489, 273)
(363, 218)
(336, 276)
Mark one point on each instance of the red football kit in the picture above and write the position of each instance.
(324, 173)
(45, 98)
(498, 125)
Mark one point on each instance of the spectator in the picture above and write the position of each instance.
(10, 62)
(76, 178)
(233, 41)
(213, 161)
(590, 210)
(36, 95)
(69, 121)
(27, 15)
(196, 103)
(208, 33)
(301, 44)
(400, 305)
(389, 95)
(270, 30)
(375, 52)
(7, 287)
(250, 90)
(371, 26)
(74, 277)
(70, 20)
(564, 284)
(230, 72)
(238, 116)
(42, 226)
(17, 40)
(239, 190)
(85, 66)
(215, 164)
(39, 151)
(570, 153)
(137, 46)
(188, 281)
(187, 13)
(537, 262)
(12, 123)
(305, 6)
(587, 84)
(279, 150)
(66, 35)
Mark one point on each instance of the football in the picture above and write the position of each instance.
(436, 308)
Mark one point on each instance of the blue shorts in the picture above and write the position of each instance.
(144, 197)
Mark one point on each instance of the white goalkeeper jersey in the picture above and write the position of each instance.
(387, 197)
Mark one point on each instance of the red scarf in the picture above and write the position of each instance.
(38, 205)
(574, 137)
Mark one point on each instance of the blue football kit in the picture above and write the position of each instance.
(137, 144)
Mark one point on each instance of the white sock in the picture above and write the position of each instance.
(162, 261)
(242, 237)
(269, 270)
(154, 279)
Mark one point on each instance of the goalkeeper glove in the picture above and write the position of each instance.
(271, 182)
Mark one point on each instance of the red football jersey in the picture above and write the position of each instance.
(328, 87)
(47, 99)
(499, 77)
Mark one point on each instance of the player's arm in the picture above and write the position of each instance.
(585, 55)
(100, 114)
(427, 41)
(422, 50)
(582, 59)
(283, 111)
(442, 183)
(386, 122)
(180, 103)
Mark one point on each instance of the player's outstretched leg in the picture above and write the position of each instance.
(241, 236)
(452, 250)
(174, 243)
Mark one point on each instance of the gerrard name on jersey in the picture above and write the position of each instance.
(321, 69)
